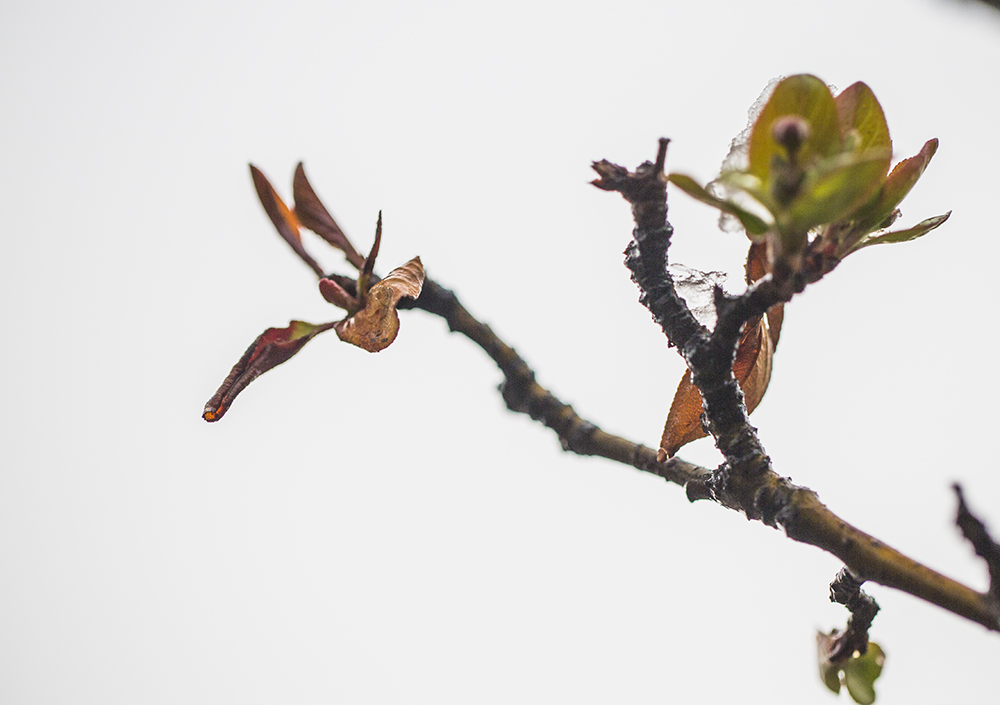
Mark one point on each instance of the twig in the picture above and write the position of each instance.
(846, 590)
(986, 548)
(522, 394)
(746, 482)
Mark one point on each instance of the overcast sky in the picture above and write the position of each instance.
(377, 528)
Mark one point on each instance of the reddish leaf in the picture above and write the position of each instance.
(365, 277)
(901, 179)
(376, 325)
(757, 266)
(335, 294)
(284, 219)
(271, 348)
(753, 373)
(313, 214)
(752, 368)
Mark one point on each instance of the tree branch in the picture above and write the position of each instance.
(746, 482)
(522, 394)
(986, 548)
(846, 590)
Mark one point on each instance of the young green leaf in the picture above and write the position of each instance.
(753, 224)
(858, 109)
(918, 230)
(271, 348)
(804, 96)
(861, 672)
(837, 187)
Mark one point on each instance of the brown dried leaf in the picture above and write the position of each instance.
(375, 326)
(757, 266)
(752, 370)
(313, 214)
(284, 219)
(684, 419)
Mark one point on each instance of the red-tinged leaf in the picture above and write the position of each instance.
(284, 220)
(918, 230)
(271, 348)
(335, 294)
(897, 185)
(756, 267)
(313, 214)
(376, 325)
(365, 277)
(683, 420)
(752, 369)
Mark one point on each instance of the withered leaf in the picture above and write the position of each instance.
(271, 348)
(284, 219)
(313, 214)
(757, 266)
(752, 369)
(374, 327)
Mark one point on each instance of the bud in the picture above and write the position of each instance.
(790, 131)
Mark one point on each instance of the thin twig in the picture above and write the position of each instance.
(846, 590)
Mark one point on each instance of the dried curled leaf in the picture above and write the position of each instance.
(374, 327)
(752, 369)
(284, 219)
(313, 214)
(271, 348)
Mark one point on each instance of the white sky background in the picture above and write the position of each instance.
(377, 528)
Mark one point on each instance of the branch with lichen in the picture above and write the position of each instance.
(822, 176)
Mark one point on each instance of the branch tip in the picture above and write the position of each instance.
(975, 531)
(661, 154)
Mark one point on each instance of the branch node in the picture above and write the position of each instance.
(846, 590)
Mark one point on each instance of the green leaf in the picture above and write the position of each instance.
(754, 224)
(918, 230)
(829, 672)
(858, 109)
(861, 672)
(809, 98)
(838, 187)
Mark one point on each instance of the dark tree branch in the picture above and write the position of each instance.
(986, 548)
(745, 482)
(522, 394)
(846, 590)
